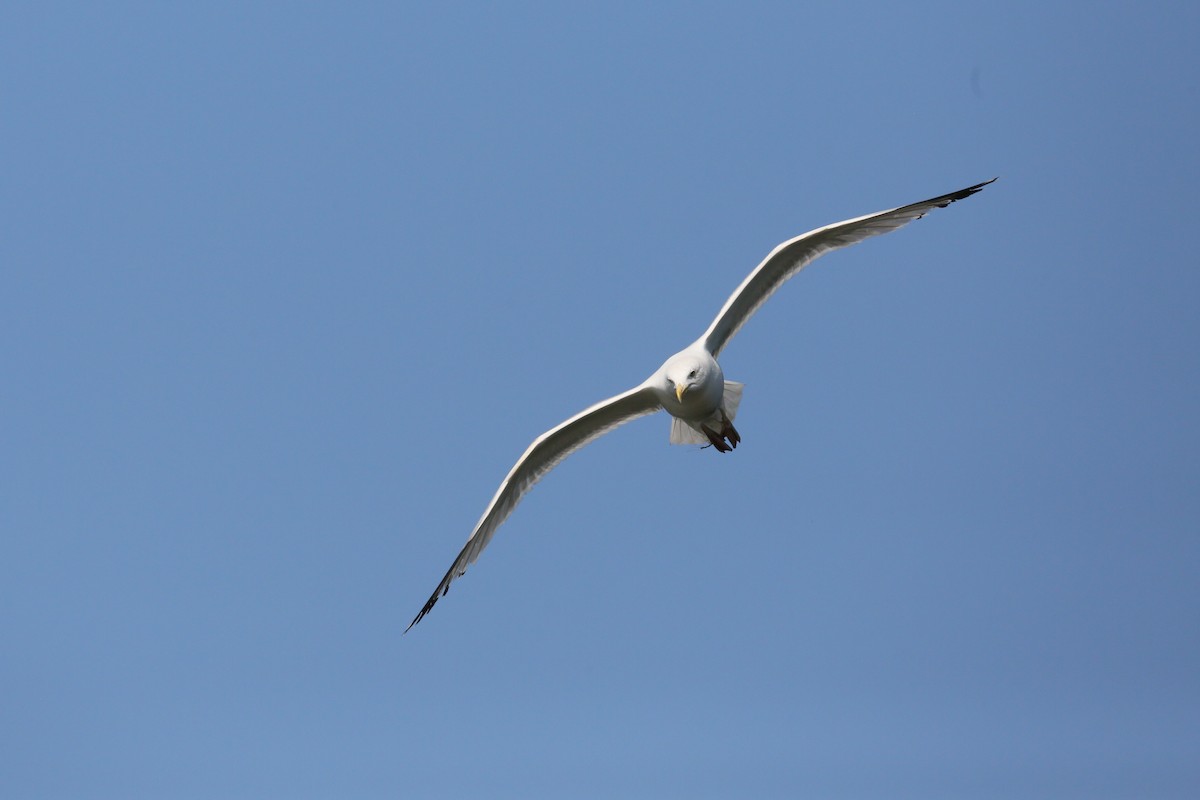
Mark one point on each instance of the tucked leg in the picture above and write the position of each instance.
(729, 432)
(718, 441)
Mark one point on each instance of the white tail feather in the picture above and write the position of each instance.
(682, 433)
(733, 398)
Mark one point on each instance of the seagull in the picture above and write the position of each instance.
(690, 385)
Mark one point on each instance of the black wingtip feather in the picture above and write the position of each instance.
(947, 199)
(961, 193)
(427, 608)
(970, 190)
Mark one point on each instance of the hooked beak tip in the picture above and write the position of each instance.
(679, 390)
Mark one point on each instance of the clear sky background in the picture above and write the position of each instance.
(286, 288)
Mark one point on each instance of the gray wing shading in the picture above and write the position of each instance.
(795, 254)
(542, 456)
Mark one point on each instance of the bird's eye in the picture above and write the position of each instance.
(692, 374)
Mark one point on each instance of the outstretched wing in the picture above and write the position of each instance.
(542, 456)
(795, 254)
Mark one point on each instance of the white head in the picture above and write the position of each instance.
(686, 371)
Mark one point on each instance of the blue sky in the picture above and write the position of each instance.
(286, 288)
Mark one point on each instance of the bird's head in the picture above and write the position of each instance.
(684, 372)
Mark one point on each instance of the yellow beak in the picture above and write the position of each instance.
(679, 390)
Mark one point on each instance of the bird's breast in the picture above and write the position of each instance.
(699, 402)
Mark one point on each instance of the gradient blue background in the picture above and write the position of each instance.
(285, 289)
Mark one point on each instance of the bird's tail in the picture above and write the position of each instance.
(733, 398)
(683, 433)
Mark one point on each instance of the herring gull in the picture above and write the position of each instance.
(690, 385)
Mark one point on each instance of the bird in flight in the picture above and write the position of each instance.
(690, 385)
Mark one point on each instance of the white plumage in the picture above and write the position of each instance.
(690, 385)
